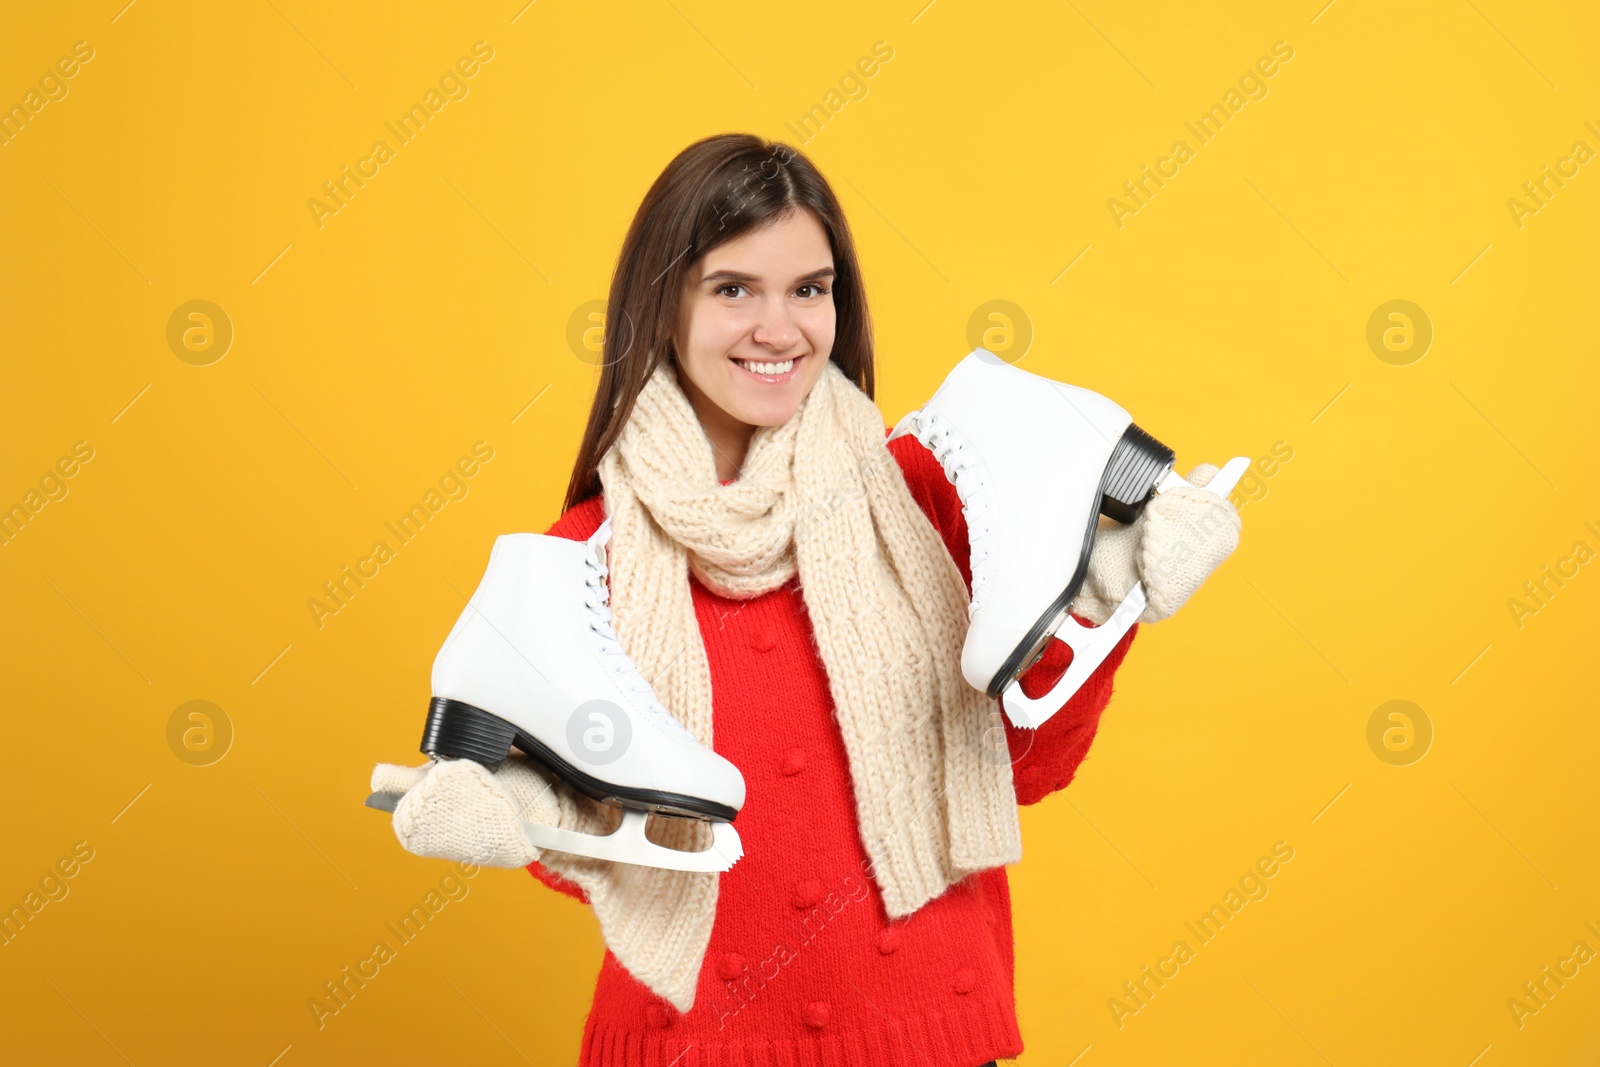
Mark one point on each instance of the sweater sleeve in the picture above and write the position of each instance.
(1046, 759)
(577, 524)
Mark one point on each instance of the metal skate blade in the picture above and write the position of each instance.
(1221, 483)
(1090, 646)
(383, 801)
(628, 844)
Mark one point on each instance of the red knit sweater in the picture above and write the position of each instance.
(804, 969)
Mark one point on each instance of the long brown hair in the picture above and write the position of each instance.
(713, 191)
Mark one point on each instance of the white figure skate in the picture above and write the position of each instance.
(534, 662)
(1035, 463)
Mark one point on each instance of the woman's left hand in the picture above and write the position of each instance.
(1180, 537)
(456, 809)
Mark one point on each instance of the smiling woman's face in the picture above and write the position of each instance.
(763, 299)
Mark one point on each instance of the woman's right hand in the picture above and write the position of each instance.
(460, 810)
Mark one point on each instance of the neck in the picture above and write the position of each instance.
(728, 447)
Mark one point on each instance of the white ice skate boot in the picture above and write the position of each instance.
(533, 662)
(1035, 463)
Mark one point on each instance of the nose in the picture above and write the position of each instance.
(775, 326)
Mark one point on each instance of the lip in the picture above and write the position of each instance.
(770, 379)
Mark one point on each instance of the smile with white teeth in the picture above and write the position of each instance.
(766, 368)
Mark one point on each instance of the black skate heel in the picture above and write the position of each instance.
(455, 730)
(460, 731)
(1136, 467)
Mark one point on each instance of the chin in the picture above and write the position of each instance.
(757, 404)
(775, 412)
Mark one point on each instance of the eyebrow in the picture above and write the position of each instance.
(741, 276)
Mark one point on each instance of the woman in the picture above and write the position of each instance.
(778, 572)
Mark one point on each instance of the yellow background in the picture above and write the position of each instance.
(429, 312)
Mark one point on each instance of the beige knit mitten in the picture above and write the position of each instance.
(1181, 536)
(460, 810)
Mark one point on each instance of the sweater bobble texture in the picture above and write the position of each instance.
(806, 967)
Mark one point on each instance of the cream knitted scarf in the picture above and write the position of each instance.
(819, 495)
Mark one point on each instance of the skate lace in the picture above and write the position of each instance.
(597, 602)
(960, 468)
